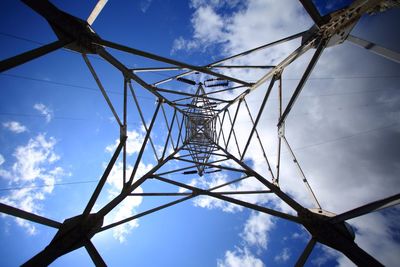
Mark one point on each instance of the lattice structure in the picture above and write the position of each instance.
(201, 131)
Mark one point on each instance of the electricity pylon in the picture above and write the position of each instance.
(201, 130)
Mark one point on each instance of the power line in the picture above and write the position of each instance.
(347, 77)
(387, 126)
(42, 186)
(285, 79)
(337, 109)
(20, 38)
(40, 116)
(295, 149)
(66, 84)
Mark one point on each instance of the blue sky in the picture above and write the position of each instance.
(57, 130)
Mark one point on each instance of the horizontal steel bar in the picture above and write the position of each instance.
(12, 62)
(377, 49)
(28, 216)
(286, 39)
(167, 60)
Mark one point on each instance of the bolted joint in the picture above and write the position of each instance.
(281, 130)
(74, 233)
(123, 133)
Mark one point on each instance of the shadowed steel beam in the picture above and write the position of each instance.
(303, 80)
(233, 123)
(94, 254)
(179, 131)
(103, 179)
(146, 212)
(374, 48)
(177, 170)
(129, 189)
(306, 253)
(303, 176)
(161, 194)
(116, 63)
(189, 94)
(186, 194)
(259, 141)
(283, 64)
(214, 166)
(278, 154)
(210, 93)
(167, 60)
(313, 12)
(231, 182)
(257, 208)
(144, 144)
(243, 67)
(103, 91)
(28, 216)
(136, 70)
(32, 54)
(245, 192)
(169, 127)
(221, 123)
(283, 196)
(142, 118)
(368, 208)
(283, 40)
(232, 200)
(234, 133)
(358, 255)
(267, 93)
(123, 130)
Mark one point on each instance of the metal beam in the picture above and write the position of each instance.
(28, 216)
(103, 91)
(374, 48)
(232, 200)
(267, 93)
(306, 253)
(12, 62)
(368, 208)
(259, 48)
(104, 177)
(303, 80)
(313, 12)
(168, 61)
(94, 254)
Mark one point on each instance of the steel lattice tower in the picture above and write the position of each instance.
(201, 130)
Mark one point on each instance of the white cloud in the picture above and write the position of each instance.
(214, 3)
(244, 28)
(2, 160)
(15, 126)
(126, 208)
(44, 110)
(328, 254)
(211, 202)
(133, 143)
(283, 257)
(377, 234)
(219, 178)
(207, 25)
(361, 169)
(208, 29)
(144, 5)
(256, 229)
(32, 169)
(240, 258)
